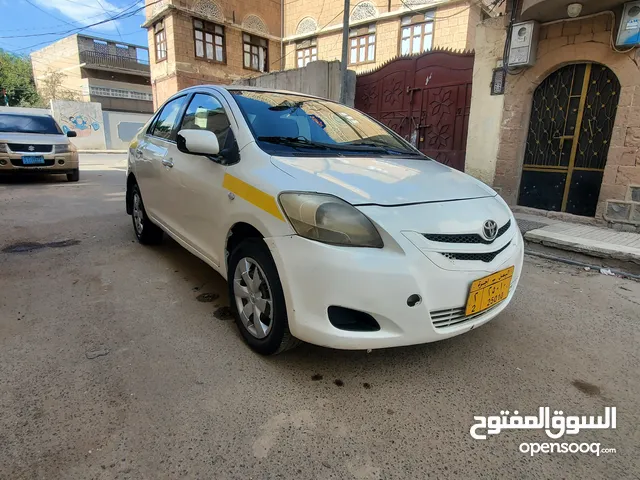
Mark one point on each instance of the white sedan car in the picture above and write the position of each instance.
(328, 227)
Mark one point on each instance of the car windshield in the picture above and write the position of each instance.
(28, 124)
(285, 123)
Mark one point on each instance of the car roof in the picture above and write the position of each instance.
(26, 114)
(246, 88)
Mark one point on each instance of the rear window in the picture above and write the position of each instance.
(28, 124)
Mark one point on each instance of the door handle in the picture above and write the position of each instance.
(167, 162)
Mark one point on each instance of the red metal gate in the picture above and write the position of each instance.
(425, 99)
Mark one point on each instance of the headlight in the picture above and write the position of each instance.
(4, 148)
(328, 219)
(63, 148)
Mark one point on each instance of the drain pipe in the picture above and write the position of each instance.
(282, 62)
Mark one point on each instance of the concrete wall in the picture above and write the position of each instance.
(486, 110)
(85, 118)
(61, 56)
(317, 78)
(121, 127)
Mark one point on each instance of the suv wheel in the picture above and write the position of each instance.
(257, 299)
(146, 232)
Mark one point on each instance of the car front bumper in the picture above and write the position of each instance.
(379, 282)
(56, 163)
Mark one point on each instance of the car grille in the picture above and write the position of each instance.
(30, 148)
(18, 163)
(482, 257)
(453, 316)
(465, 237)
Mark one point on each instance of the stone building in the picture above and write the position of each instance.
(219, 41)
(114, 74)
(565, 136)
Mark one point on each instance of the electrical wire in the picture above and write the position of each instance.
(121, 15)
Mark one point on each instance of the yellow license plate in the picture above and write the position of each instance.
(488, 291)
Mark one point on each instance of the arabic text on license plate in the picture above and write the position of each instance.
(488, 291)
(34, 160)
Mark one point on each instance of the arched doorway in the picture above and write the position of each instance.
(572, 119)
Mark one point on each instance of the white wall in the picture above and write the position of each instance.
(120, 128)
(85, 118)
(485, 118)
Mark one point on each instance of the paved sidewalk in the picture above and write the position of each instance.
(587, 239)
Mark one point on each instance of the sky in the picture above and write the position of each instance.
(60, 18)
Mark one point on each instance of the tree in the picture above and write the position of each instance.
(51, 88)
(16, 79)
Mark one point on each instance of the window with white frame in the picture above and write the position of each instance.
(119, 93)
(362, 45)
(160, 38)
(416, 34)
(306, 51)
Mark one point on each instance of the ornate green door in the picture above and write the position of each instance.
(572, 119)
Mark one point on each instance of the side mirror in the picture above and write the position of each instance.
(198, 142)
(71, 134)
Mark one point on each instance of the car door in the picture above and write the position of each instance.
(198, 205)
(156, 158)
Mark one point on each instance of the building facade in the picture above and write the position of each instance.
(206, 41)
(196, 42)
(111, 73)
(565, 136)
(379, 30)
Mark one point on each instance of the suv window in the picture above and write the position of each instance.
(28, 124)
(167, 119)
(207, 113)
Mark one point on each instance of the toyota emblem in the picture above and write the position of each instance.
(490, 230)
(31, 148)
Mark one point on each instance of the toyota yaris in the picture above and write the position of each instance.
(327, 226)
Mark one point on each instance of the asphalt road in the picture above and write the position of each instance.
(113, 366)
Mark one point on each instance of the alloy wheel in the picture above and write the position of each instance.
(253, 297)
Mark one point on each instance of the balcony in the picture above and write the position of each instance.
(549, 10)
(106, 61)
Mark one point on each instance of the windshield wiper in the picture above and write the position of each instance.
(292, 142)
(387, 148)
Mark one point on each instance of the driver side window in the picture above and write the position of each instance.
(207, 113)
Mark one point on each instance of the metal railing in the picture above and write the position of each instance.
(113, 61)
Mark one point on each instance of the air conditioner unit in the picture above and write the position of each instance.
(524, 43)
(629, 31)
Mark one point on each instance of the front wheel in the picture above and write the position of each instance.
(74, 176)
(146, 232)
(257, 299)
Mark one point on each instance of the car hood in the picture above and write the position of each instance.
(33, 138)
(382, 181)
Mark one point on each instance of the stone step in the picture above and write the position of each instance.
(623, 214)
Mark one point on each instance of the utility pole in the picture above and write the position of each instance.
(345, 53)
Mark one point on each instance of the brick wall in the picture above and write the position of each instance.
(585, 40)
(182, 68)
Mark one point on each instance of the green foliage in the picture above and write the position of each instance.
(16, 77)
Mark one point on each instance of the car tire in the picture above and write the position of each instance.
(146, 231)
(270, 335)
(74, 176)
